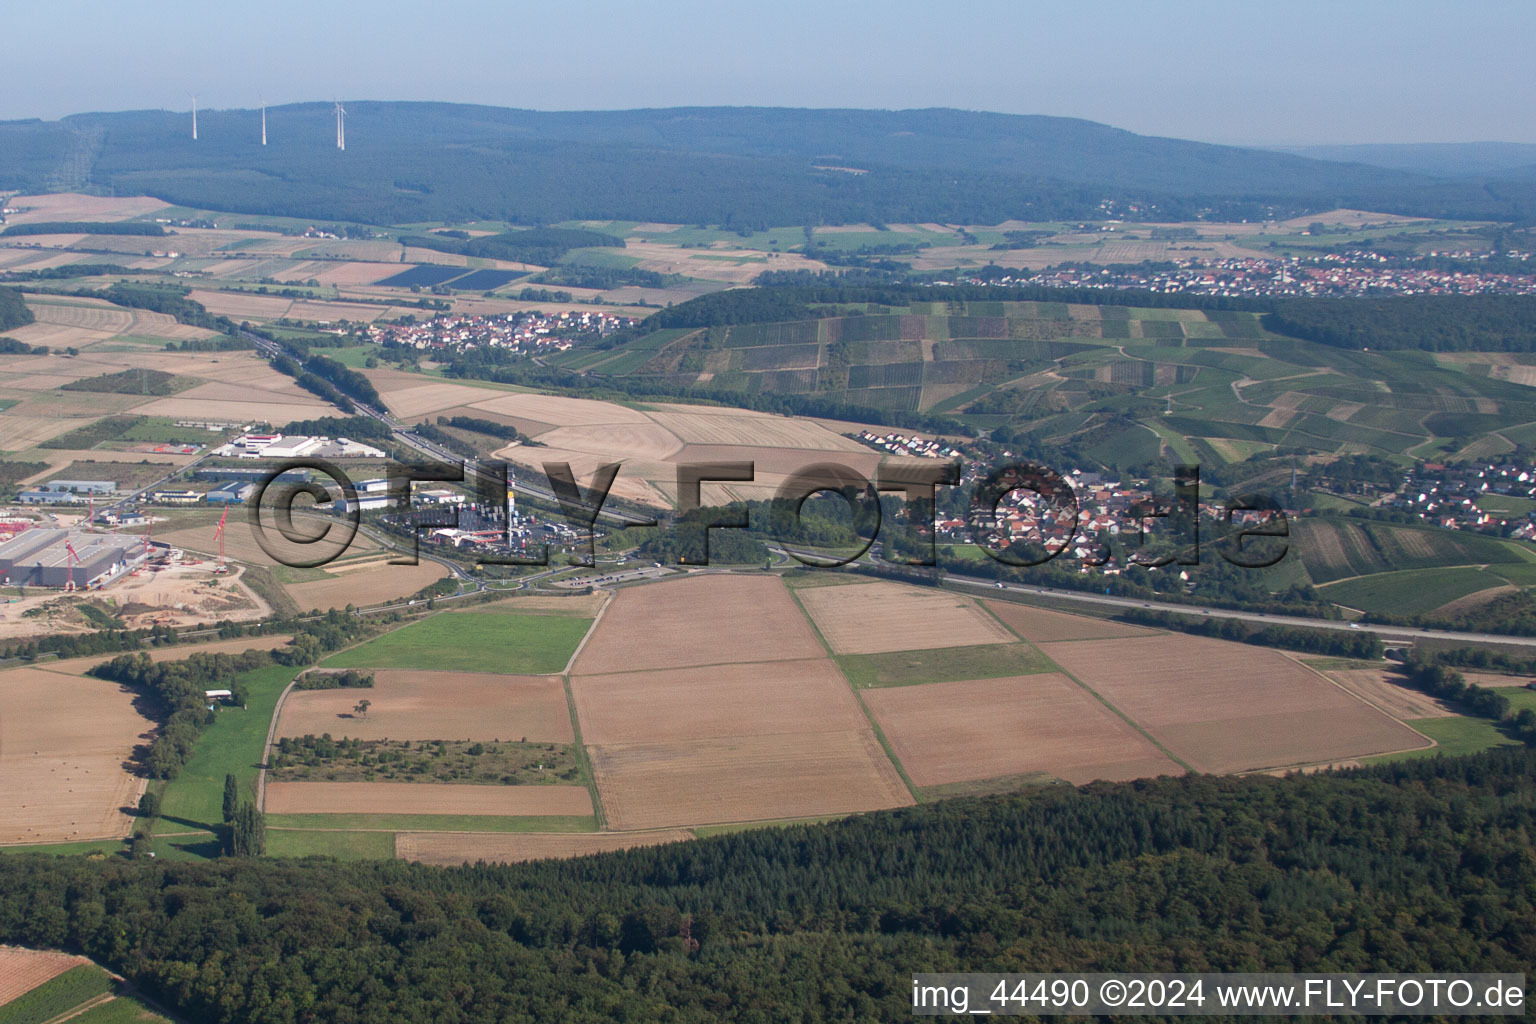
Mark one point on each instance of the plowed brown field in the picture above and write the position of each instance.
(749, 778)
(1226, 707)
(873, 618)
(425, 798)
(1041, 625)
(700, 620)
(982, 729)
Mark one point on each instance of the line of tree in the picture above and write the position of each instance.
(544, 246)
(1422, 862)
(505, 431)
(12, 347)
(346, 679)
(1429, 673)
(315, 385)
(84, 227)
(351, 427)
(1338, 643)
(67, 271)
(347, 380)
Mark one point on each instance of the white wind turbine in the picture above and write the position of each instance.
(341, 129)
(194, 117)
(263, 103)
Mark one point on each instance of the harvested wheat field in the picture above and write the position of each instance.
(410, 705)
(425, 798)
(373, 585)
(873, 618)
(988, 728)
(64, 741)
(22, 970)
(715, 701)
(18, 433)
(745, 778)
(450, 849)
(78, 206)
(699, 620)
(1042, 626)
(238, 306)
(1387, 691)
(1226, 707)
(256, 410)
(417, 399)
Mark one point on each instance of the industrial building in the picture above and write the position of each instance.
(43, 558)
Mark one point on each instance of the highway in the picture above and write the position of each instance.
(428, 448)
(421, 445)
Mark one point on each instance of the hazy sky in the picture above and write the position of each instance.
(1280, 73)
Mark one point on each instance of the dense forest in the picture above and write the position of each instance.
(1415, 866)
(413, 163)
(13, 310)
(1437, 323)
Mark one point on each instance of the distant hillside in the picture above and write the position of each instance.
(1442, 159)
(415, 162)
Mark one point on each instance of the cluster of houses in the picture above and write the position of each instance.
(913, 446)
(1357, 272)
(526, 332)
(1465, 496)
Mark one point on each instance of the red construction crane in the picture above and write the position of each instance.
(69, 581)
(219, 533)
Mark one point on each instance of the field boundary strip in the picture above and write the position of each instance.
(591, 631)
(1176, 759)
(583, 760)
(869, 717)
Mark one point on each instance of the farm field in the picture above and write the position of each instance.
(473, 642)
(744, 778)
(449, 849)
(875, 618)
(64, 743)
(421, 705)
(1334, 549)
(969, 730)
(701, 620)
(61, 996)
(679, 705)
(425, 798)
(1226, 707)
(234, 744)
(1385, 689)
(364, 585)
(942, 664)
(1412, 591)
(22, 970)
(1041, 625)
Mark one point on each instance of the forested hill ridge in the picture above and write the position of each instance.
(1416, 866)
(415, 162)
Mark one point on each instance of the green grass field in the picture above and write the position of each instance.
(1413, 592)
(1506, 504)
(473, 642)
(341, 845)
(94, 846)
(122, 1010)
(1455, 736)
(234, 744)
(906, 668)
